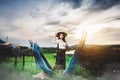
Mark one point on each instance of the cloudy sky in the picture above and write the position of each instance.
(39, 20)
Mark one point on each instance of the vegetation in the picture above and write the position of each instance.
(30, 68)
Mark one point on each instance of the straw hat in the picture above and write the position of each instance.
(58, 34)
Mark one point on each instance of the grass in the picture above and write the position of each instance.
(30, 68)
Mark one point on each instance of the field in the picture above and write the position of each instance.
(93, 59)
(7, 71)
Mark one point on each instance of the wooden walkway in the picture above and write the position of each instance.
(9, 50)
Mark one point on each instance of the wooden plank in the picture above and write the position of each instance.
(23, 62)
(15, 62)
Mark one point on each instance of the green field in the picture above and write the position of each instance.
(8, 72)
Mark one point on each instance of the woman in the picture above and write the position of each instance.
(59, 39)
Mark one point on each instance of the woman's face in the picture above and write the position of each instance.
(61, 36)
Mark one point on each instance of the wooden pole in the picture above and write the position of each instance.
(23, 62)
(15, 62)
(6, 39)
(82, 41)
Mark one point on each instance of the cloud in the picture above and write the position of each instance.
(42, 19)
(92, 4)
(106, 36)
(73, 3)
(104, 4)
(52, 22)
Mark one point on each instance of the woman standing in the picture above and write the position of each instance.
(59, 39)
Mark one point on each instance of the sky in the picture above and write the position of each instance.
(39, 20)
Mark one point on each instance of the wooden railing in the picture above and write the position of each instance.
(8, 50)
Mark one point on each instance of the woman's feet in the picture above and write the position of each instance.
(41, 75)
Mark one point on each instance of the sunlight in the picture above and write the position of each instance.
(90, 29)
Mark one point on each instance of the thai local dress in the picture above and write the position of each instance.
(60, 56)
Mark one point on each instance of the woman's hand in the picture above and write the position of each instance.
(55, 38)
(55, 34)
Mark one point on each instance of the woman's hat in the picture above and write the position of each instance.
(58, 34)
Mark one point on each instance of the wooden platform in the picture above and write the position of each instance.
(9, 50)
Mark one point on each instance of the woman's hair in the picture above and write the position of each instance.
(62, 38)
(64, 35)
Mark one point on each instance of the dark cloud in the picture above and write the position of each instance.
(111, 19)
(63, 13)
(95, 4)
(53, 22)
(73, 3)
(118, 18)
(104, 4)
